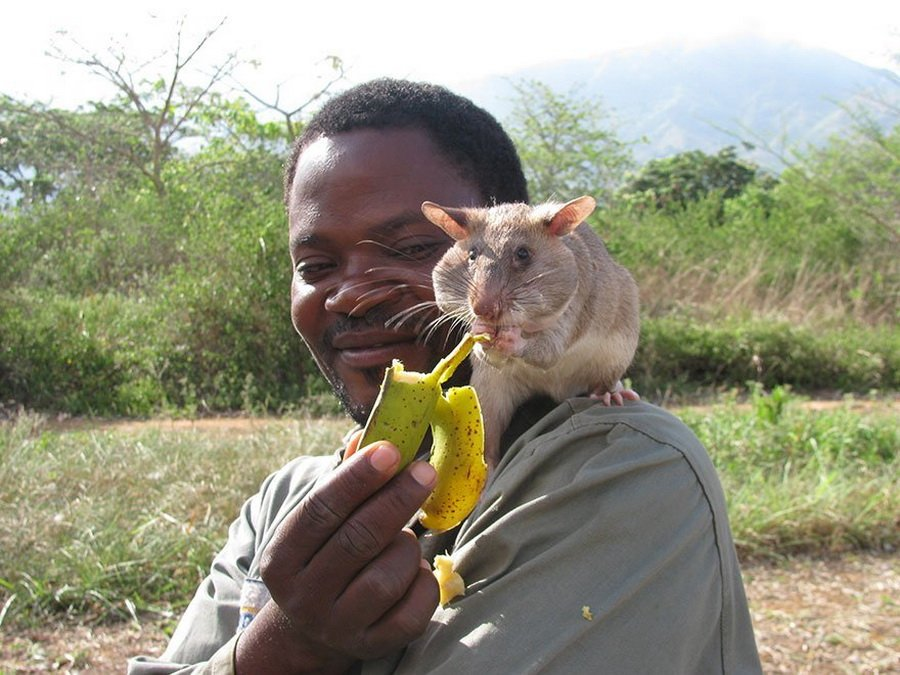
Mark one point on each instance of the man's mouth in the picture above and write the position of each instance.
(370, 349)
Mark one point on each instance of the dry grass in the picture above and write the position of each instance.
(807, 295)
(839, 615)
(122, 519)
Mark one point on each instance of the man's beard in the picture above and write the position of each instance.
(357, 410)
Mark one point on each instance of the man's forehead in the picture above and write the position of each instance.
(313, 164)
(371, 176)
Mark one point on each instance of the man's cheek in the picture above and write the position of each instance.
(303, 310)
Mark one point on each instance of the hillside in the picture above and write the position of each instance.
(681, 98)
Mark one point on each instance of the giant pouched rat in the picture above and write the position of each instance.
(561, 313)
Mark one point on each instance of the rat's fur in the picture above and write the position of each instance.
(561, 313)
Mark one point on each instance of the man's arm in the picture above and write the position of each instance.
(347, 579)
(208, 625)
(291, 509)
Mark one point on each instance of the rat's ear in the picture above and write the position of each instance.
(451, 221)
(570, 215)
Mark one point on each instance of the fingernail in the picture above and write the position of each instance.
(423, 473)
(424, 565)
(384, 457)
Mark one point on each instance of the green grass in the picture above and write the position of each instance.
(106, 523)
(801, 481)
(101, 524)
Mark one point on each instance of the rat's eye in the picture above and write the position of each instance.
(522, 254)
(473, 253)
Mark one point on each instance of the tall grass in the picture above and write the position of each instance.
(104, 523)
(811, 294)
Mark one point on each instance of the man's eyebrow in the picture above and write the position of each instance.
(400, 220)
(298, 240)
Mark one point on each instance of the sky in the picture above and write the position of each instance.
(285, 46)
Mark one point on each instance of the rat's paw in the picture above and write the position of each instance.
(618, 395)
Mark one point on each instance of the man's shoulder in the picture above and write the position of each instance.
(580, 439)
(584, 420)
(294, 479)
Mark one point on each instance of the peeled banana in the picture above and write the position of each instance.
(450, 583)
(408, 404)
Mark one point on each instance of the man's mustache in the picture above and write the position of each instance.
(377, 317)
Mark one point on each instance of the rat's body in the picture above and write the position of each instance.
(561, 313)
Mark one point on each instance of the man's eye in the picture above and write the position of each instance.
(312, 269)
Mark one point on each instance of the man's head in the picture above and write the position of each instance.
(362, 249)
(467, 136)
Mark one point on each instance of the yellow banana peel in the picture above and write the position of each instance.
(408, 404)
(457, 455)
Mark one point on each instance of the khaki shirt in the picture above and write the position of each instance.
(600, 545)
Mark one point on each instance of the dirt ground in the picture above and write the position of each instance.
(811, 616)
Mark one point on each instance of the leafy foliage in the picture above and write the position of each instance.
(566, 145)
(45, 150)
(678, 353)
(674, 181)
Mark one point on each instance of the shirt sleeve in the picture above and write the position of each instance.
(600, 545)
(205, 638)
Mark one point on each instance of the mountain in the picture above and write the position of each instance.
(679, 98)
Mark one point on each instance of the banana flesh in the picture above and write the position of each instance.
(450, 582)
(408, 404)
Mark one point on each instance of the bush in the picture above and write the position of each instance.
(681, 353)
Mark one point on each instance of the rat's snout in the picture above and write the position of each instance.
(486, 301)
(486, 308)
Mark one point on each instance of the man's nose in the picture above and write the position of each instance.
(358, 292)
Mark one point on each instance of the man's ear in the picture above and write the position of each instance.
(452, 221)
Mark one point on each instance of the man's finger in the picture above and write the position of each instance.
(328, 505)
(409, 618)
(381, 584)
(352, 445)
(370, 529)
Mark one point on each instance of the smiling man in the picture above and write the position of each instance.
(601, 543)
(363, 253)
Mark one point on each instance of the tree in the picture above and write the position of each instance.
(856, 179)
(673, 182)
(44, 150)
(163, 106)
(566, 145)
(859, 172)
(291, 113)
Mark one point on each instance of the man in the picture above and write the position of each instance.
(601, 543)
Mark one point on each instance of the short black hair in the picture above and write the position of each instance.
(467, 136)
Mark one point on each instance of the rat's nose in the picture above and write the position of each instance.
(486, 306)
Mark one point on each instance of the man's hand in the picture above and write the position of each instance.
(347, 579)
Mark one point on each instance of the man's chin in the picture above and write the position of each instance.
(358, 408)
(357, 412)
